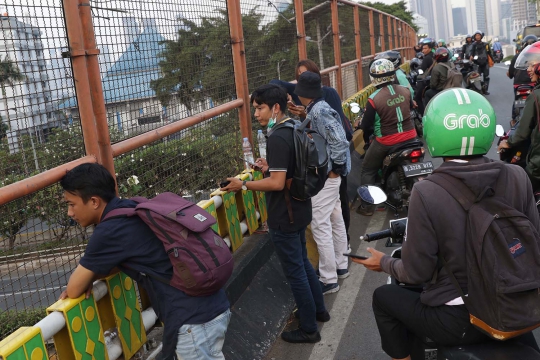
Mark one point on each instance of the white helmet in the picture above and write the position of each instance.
(381, 71)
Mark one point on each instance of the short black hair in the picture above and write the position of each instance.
(270, 94)
(429, 45)
(87, 180)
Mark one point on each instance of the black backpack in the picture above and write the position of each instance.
(503, 261)
(311, 168)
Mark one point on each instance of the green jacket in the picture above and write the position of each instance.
(439, 75)
(528, 129)
(402, 80)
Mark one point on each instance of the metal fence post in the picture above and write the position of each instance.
(360, 74)
(396, 38)
(381, 32)
(371, 32)
(239, 63)
(390, 34)
(80, 76)
(300, 29)
(337, 47)
(96, 88)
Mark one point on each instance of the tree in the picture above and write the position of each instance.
(398, 9)
(9, 73)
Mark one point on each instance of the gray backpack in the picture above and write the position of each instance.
(454, 78)
(502, 250)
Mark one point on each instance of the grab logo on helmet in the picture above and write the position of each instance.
(452, 122)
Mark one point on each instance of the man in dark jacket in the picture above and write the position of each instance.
(437, 224)
(426, 65)
(467, 47)
(527, 129)
(479, 54)
(520, 76)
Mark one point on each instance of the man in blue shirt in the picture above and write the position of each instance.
(195, 327)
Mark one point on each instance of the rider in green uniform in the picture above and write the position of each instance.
(395, 58)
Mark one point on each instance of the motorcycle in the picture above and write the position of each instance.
(487, 350)
(521, 92)
(497, 56)
(401, 169)
(471, 77)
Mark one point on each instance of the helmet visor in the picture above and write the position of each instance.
(529, 56)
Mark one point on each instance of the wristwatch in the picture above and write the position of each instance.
(244, 187)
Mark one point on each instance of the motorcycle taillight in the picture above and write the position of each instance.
(416, 153)
(523, 92)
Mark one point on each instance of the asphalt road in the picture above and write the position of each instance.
(352, 334)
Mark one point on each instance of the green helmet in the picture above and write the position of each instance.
(459, 122)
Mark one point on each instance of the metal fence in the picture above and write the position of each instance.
(164, 101)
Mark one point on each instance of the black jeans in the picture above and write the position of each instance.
(484, 70)
(373, 160)
(291, 251)
(404, 322)
(344, 198)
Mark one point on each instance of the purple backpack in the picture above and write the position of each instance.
(202, 262)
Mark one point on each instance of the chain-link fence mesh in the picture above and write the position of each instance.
(162, 61)
(39, 248)
(270, 40)
(365, 38)
(379, 40)
(346, 32)
(34, 80)
(318, 22)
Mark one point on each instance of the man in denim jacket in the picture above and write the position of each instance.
(327, 223)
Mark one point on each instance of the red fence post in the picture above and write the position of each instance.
(96, 88)
(381, 32)
(337, 47)
(300, 29)
(80, 76)
(359, 72)
(371, 32)
(390, 34)
(239, 63)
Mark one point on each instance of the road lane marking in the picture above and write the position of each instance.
(31, 291)
(332, 331)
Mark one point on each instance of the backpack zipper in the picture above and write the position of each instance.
(176, 255)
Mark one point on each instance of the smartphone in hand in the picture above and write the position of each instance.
(224, 184)
(356, 256)
(250, 163)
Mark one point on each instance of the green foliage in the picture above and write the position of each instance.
(398, 9)
(11, 320)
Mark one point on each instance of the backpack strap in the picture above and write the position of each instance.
(455, 188)
(537, 108)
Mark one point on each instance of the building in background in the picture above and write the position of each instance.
(460, 20)
(506, 20)
(438, 14)
(422, 23)
(29, 102)
(493, 17)
(523, 13)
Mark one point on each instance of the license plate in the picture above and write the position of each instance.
(418, 169)
(519, 103)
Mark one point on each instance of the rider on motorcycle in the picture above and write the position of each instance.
(395, 58)
(437, 222)
(438, 74)
(497, 47)
(427, 62)
(529, 60)
(467, 47)
(481, 51)
(520, 76)
(387, 116)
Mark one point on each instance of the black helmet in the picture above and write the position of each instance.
(415, 63)
(420, 55)
(393, 56)
(528, 40)
(429, 41)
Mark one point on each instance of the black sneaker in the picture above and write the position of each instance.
(321, 317)
(300, 336)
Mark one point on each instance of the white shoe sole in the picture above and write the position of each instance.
(344, 276)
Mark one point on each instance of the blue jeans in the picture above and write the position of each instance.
(203, 341)
(292, 253)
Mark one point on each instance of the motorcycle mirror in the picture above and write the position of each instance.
(355, 108)
(420, 71)
(475, 57)
(371, 194)
(507, 63)
(499, 130)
